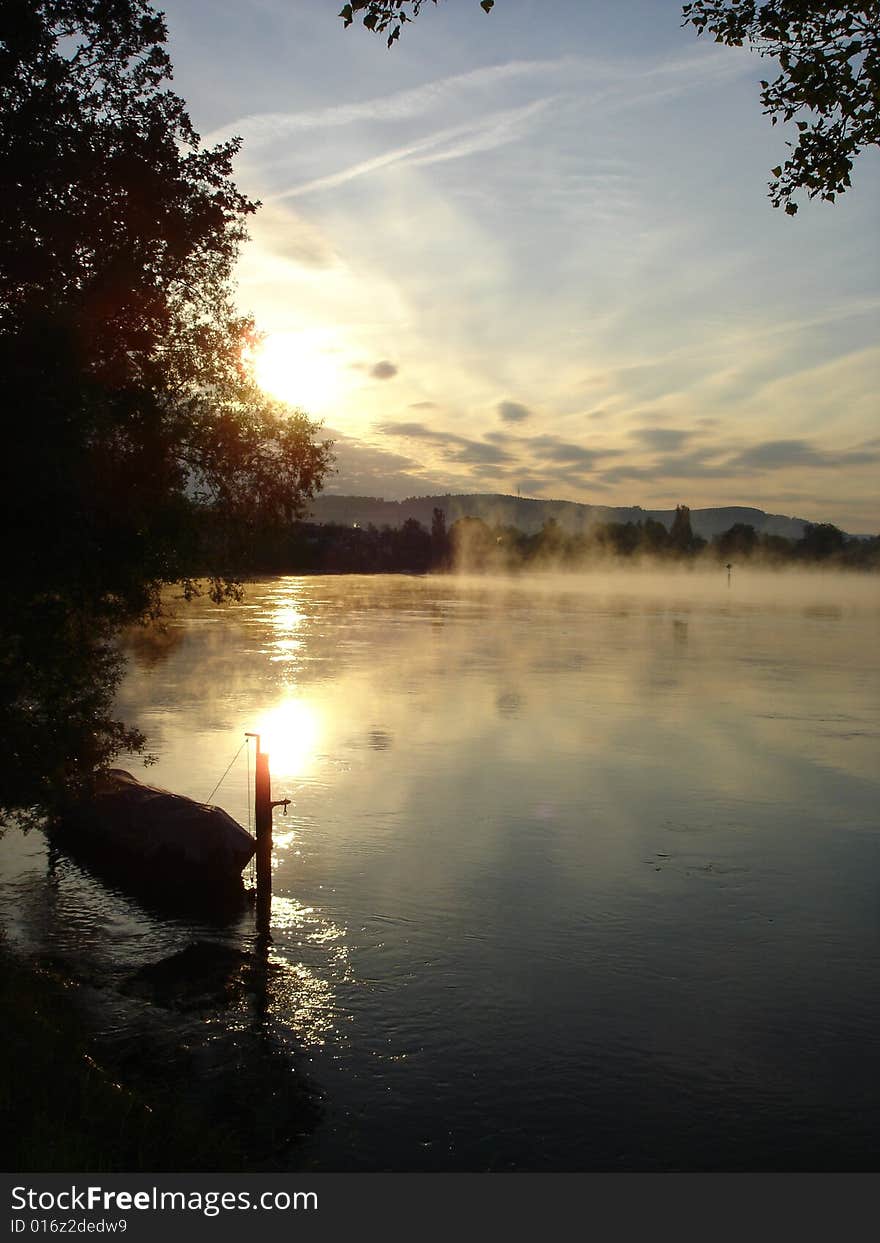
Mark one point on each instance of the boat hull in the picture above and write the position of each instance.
(157, 837)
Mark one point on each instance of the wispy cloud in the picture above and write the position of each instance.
(491, 130)
(628, 81)
(265, 128)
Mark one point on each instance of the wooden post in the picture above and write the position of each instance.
(263, 808)
(263, 821)
(263, 824)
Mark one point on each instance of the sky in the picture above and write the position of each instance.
(532, 252)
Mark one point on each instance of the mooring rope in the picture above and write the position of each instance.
(228, 766)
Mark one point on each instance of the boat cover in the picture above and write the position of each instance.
(143, 821)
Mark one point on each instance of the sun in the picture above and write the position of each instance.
(290, 732)
(303, 369)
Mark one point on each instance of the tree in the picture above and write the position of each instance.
(132, 421)
(820, 541)
(681, 536)
(829, 57)
(740, 541)
(378, 15)
(130, 397)
(439, 537)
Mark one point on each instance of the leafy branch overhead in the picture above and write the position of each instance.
(829, 60)
(828, 82)
(378, 15)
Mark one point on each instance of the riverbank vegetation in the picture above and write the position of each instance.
(472, 545)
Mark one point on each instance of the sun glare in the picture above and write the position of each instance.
(290, 733)
(300, 368)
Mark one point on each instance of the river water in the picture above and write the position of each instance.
(578, 873)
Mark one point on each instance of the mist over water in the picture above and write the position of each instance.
(580, 872)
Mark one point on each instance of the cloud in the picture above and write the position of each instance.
(259, 129)
(699, 464)
(456, 448)
(628, 81)
(780, 454)
(543, 456)
(490, 130)
(477, 452)
(513, 412)
(549, 448)
(662, 437)
(533, 484)
(383, 370)
(414, 431)
(284, 232)
(765, 456)
(363, 469)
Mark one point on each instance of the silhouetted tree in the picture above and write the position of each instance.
(681, 537)
(739, 541)
(130, 410)
(655, 537)
(439, 538)
(775, 548)
(820, 541)
(127, 392)
(829, 57)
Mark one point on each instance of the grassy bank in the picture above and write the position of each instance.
(68, 1111)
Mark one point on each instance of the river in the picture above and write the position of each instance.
(578, 873)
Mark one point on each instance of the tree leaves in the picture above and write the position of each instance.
(829, 55)
(381, 13)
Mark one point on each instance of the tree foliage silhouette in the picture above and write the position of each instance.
(379, 15)
(829, 59)
(131, 418)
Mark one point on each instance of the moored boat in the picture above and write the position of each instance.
(157, 836)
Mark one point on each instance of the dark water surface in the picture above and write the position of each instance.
(577, 875)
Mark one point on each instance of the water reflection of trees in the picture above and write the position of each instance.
(59, 671)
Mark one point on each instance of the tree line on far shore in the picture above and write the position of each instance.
(472, 545)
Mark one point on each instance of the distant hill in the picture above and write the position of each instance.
(530, 515)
